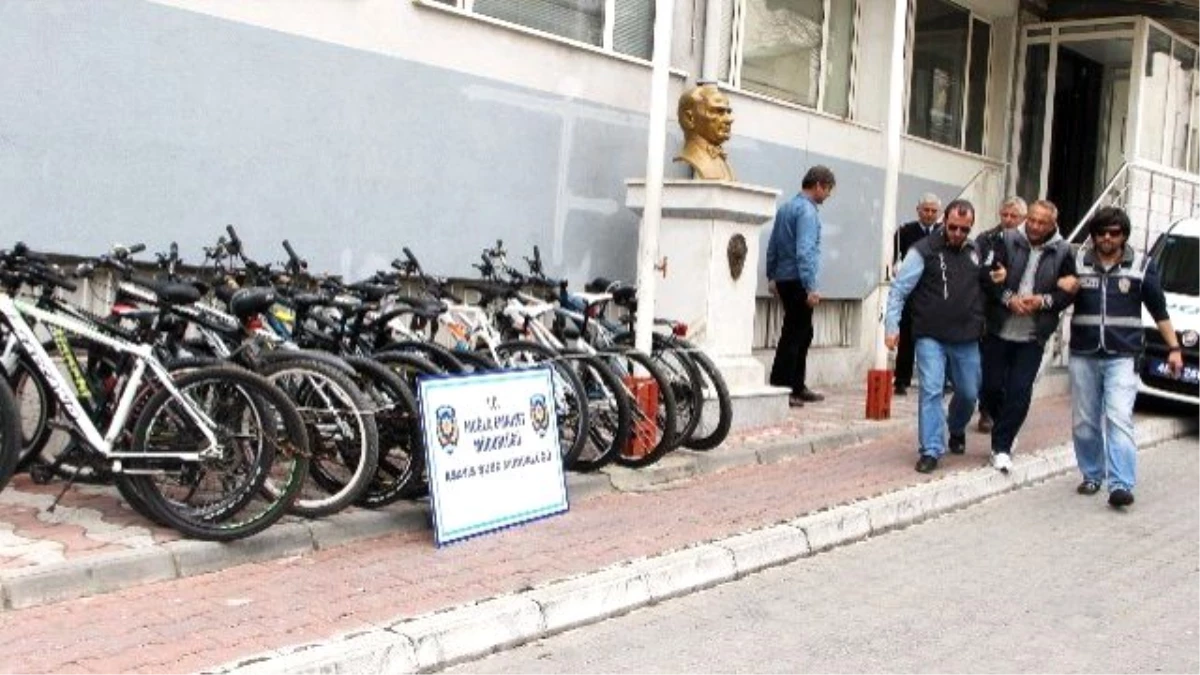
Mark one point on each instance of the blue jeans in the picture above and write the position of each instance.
(1102, 395)
(933, 359)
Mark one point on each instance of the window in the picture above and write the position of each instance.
(795, 50)
(624, 26)
(948, 81)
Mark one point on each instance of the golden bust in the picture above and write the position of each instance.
(706, 120)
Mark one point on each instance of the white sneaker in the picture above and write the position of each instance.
(1002, 462)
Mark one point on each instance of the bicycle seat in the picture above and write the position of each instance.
(247, 302)
(175, 293)
(370, 292)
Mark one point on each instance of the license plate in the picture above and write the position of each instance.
(1159, 368)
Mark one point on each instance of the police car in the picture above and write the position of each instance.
(1177, 254)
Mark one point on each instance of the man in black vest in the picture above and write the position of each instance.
(1106, 339)
(944, 279)
(928, 210)
(1021, 315)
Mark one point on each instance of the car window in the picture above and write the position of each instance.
(1179, 263)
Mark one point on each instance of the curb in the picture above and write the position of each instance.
(470, 631)
(95, 575)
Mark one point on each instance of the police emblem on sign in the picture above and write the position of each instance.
(539, 414)
(1123, 284)
(447, 428)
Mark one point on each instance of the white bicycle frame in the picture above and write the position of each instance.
(21, 334)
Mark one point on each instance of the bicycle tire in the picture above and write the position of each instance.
(716, 392)
(569, 397)
(664, 422)
(401, 449)
(440, 356)
(277, 448)
(609, 412)
(341, 433)
(411, 368)
(10, 434)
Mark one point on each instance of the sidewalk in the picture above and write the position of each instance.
(368, 575)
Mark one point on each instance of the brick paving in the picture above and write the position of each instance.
(190, 624)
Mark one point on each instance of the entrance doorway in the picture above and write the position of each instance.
(1073, 113)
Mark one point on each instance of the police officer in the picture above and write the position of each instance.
(1106, 337)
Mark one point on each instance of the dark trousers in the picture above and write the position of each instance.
(791, 355)
(905, 350)
(1009, 369)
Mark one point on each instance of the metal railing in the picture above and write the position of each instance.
(1153, 195)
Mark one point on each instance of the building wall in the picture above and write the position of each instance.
(355, 128)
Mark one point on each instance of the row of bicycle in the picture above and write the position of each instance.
(220, 397)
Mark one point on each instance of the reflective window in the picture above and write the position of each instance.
(794, 50)
(948, 84)
(631, 30)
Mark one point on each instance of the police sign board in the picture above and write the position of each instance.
(492, 451)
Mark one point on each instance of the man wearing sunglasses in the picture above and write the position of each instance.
(1115, 282)
(944, 278)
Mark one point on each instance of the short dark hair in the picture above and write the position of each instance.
(959, 206)
(818, 174)
(1106, 217)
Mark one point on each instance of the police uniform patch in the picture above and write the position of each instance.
(1123, 284)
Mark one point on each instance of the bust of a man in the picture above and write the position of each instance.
(706, 120)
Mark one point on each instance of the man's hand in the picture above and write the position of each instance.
(891, 341)
(813, 299)
(773, 288)
(998, 274)
(1069, 284)
(1031, 303)
(1018, 305)
(1175, 362)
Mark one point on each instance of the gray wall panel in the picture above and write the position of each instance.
(125, 121)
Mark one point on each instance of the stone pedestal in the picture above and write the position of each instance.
(702, 221)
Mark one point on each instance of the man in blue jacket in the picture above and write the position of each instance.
(793, 267)
(1106, 339)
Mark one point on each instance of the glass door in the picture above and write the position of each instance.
(1073, 114)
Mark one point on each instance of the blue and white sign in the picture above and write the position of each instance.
(492, 451)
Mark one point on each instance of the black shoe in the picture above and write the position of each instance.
(1088, 487)
(958, 443)
(795, 401)
(900, 390)
(926, 464)
(1120, 497)
(809, 396)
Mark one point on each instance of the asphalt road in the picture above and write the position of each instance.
(1037, 580)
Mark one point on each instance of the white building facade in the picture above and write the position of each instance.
(356, 127)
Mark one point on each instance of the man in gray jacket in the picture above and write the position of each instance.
(1022, 313)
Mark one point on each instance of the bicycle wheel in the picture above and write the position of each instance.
(717, 415)
(36, 406)
(10, 434)
(653, 437)
(220, 496)
(411, 368)
(570, 401)
(609, 412)
(342, 433)
(401, 450)
(686, 384)
(436, 354)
